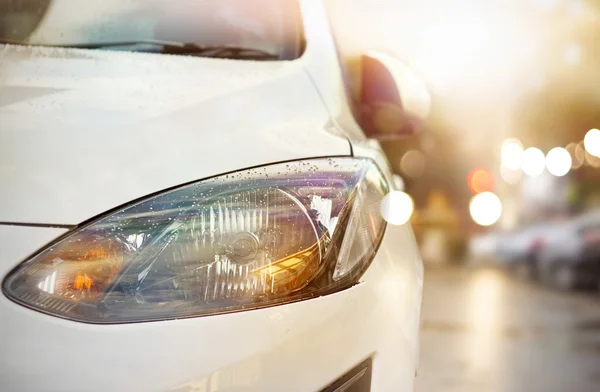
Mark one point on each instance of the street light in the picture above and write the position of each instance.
(558, 161)
(485, 208)
(397, 208)
(512, 154)
(577, 155)
(534, 162)
(591, 142)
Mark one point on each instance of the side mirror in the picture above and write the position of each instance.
(394, 101)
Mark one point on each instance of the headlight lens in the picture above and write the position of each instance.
(251, 239)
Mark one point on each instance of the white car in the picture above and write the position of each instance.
(187, 204)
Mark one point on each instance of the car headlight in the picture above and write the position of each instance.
(245, 240)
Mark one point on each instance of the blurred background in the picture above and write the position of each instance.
(505, 179)
(504, 76)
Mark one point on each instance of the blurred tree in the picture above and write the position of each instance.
(560, 113)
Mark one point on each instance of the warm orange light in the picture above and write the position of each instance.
(82, 280)
(480, 180)
(84, 273)
(293, 272)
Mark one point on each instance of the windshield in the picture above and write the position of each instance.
(271, 26)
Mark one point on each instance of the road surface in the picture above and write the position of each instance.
(485, 331)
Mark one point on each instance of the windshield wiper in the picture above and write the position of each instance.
(168, 47)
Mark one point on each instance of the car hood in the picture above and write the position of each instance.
(84, 131)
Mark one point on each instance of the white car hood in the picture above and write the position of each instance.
(85, 131)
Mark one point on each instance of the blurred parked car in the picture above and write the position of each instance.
(570, 255)
(518, 249)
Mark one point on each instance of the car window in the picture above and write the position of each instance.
(271, 26)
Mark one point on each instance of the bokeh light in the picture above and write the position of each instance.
(413, 163)
(591, 142)
(480, 180)
(558, 161)
(510, 176)
(485, 208)
(534, 162)
(397, 207)
(512, 154)
(577, 155)
(592, 160)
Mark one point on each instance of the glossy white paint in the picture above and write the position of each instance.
(165, 121)
(85, 131)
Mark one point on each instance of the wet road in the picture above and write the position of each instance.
(484, 331)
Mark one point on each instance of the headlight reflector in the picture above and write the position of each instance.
(250, 239)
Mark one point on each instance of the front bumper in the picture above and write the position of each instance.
(304, 346)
